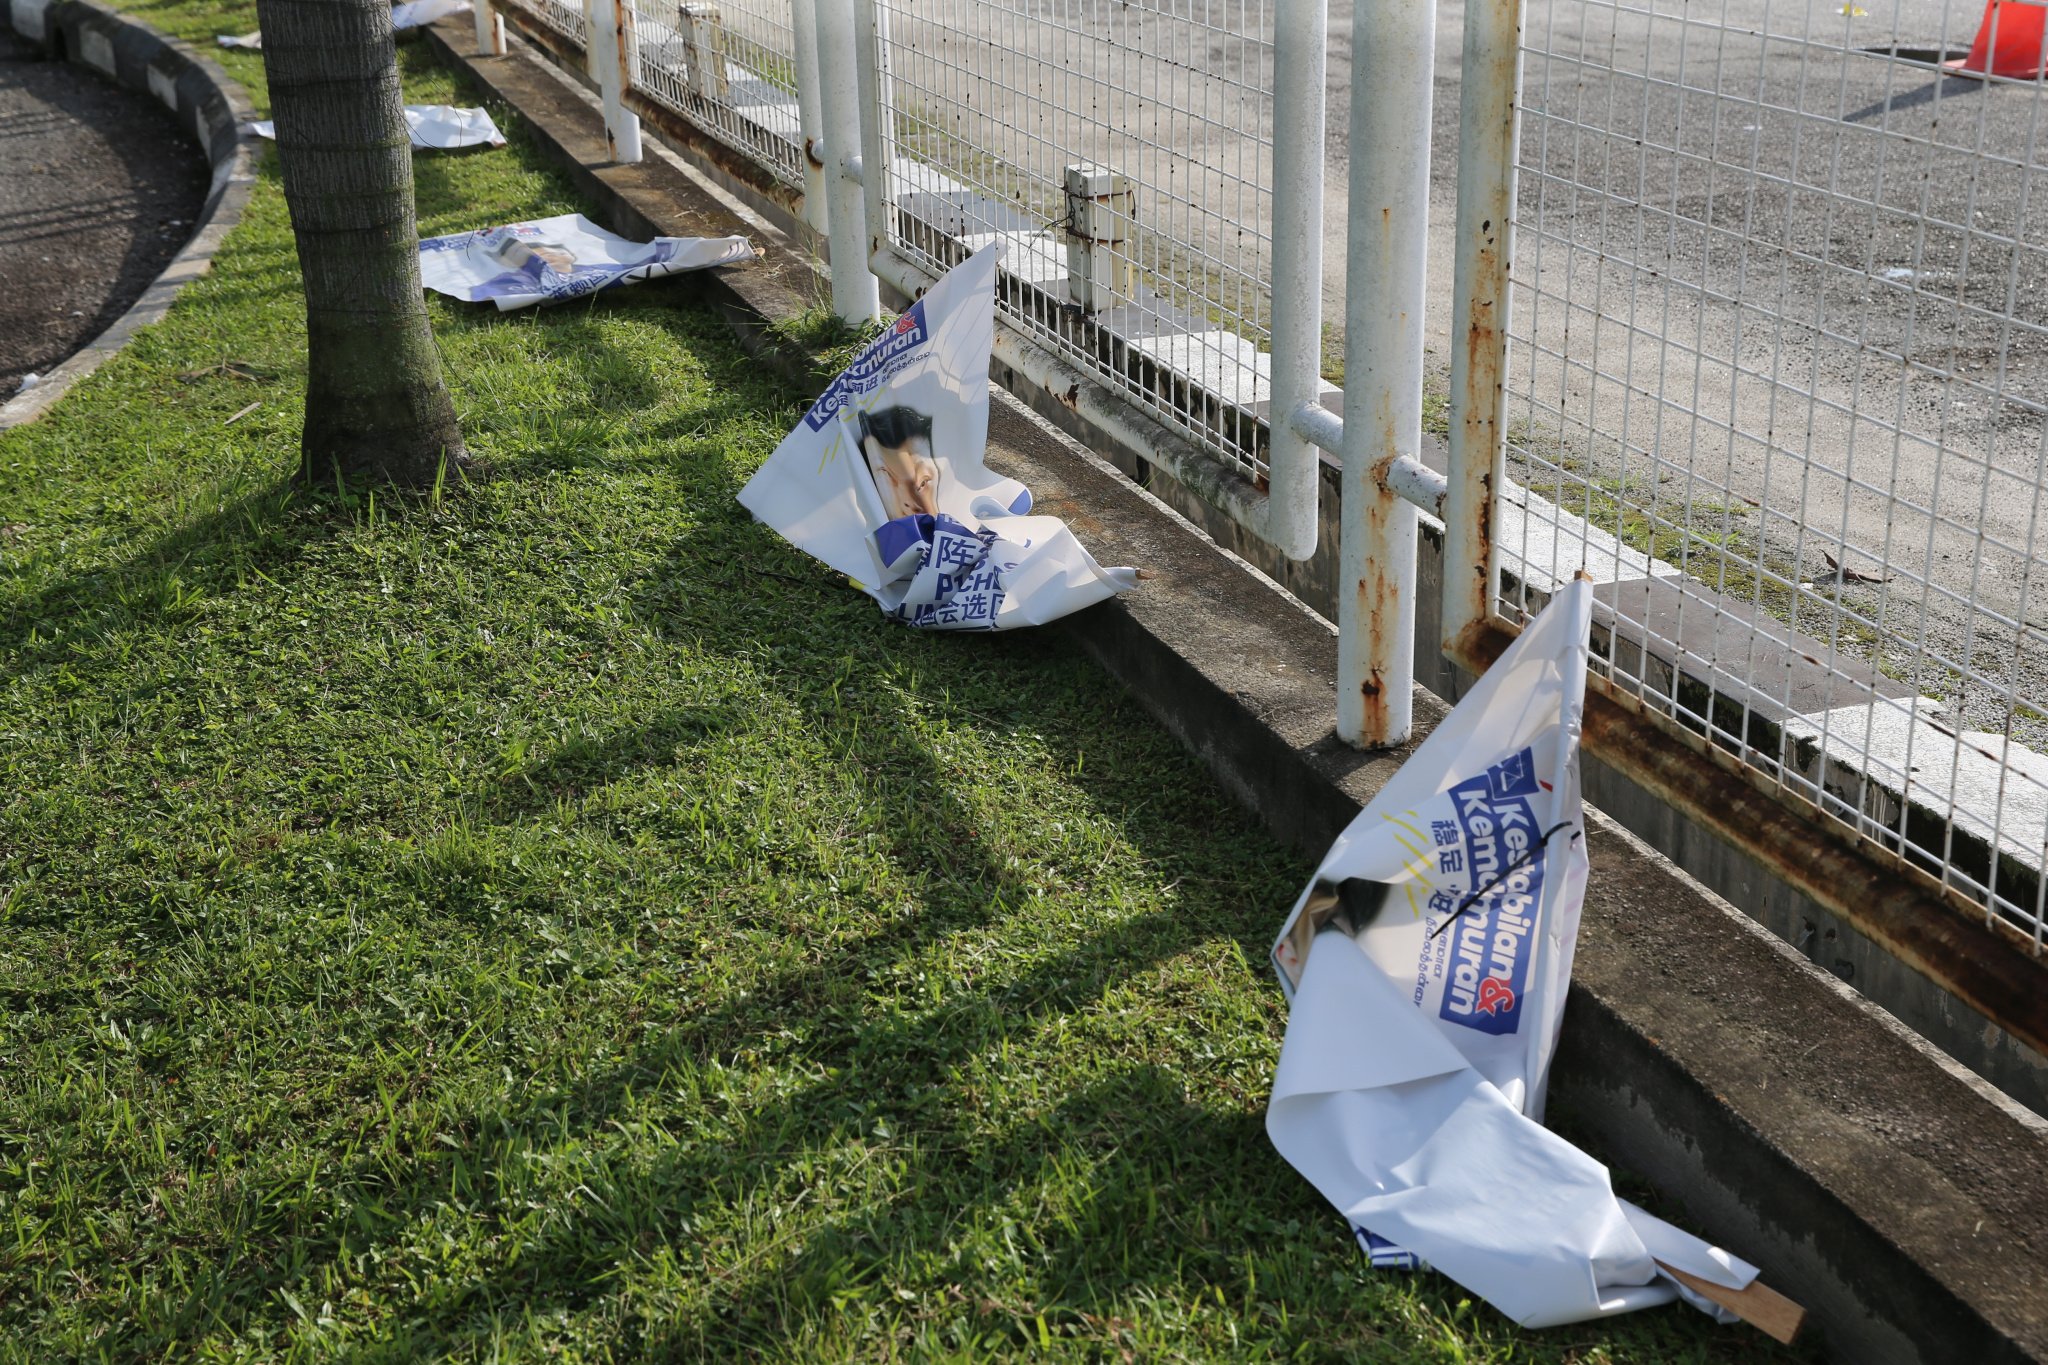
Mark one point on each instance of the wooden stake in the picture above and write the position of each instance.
(1761, 1306)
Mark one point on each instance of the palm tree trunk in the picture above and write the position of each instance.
(376, 407)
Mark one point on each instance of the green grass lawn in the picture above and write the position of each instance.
(566, 924)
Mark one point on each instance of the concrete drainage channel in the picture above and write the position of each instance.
(209, 106)
(1900, 1197)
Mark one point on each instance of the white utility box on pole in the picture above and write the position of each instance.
(1102, 221)
(703, 33)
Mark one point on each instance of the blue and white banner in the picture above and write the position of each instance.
(883, 480)
(552, 259)
(1426, 965)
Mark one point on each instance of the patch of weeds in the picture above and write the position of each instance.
(1436, 408)
(831, 342)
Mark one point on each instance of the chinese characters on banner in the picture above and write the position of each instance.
(1426, 964)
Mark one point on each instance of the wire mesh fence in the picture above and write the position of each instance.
(1779, 362)
(1779, 351)
(1167, 104)
(728, 67)
(567, 19)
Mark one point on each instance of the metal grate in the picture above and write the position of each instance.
(1779, 370)
(565, 19)
(991, 102)
(729, 68)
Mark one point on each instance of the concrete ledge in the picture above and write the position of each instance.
(1902, 1199)
(212, 108)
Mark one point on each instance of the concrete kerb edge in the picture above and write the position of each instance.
(1888, 1279)
(206, 103)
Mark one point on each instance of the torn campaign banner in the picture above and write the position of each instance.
(420, 13)
(1426, 964)
(433, 128)
(883, 480)
(552, 259)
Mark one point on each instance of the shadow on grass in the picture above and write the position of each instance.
(871, 1057)
(164, 584)
(872, 1062)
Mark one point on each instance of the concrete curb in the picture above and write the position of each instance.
(1899, 1197)
(204, 101)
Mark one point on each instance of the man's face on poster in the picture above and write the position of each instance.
(905, 475)
(516, 253)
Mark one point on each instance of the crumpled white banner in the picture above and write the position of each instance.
(1427, 964)
(883, 480)
(432, 127)
(552, 259)
(419, 13)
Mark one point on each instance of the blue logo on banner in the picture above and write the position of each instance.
(875, 366)
(1490, 947)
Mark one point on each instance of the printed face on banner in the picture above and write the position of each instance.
(1464, 876)
(515, 253)
(897, 443)
(884, 479)
(552, 259)
(534, 263)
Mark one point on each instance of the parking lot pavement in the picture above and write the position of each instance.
(98, 190)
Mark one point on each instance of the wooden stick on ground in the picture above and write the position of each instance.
(1761, 1306)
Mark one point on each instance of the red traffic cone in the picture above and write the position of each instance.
(2012, 41)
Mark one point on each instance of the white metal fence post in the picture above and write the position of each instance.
(490, 30)
(803, 16)
(1300, 58)
(856, 296)
(878, 129)
(611, 57)
(1392, 62)
(1490, 79)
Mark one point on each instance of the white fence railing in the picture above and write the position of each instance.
(1780, 325)
(1771, 362)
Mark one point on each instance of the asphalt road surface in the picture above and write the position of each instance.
(1789, 292)
(99, 189)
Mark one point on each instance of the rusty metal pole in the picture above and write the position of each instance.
(1293, 464)
(1489, 81)
(878, 130)
(803, 15)
(490, 30)
(1392, 61)
(856, 297)
(611, 59)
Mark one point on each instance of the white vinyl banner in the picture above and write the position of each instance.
(420, 13)
(552, 259)
(433, 128)
(883, 480)
(1427, 964)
